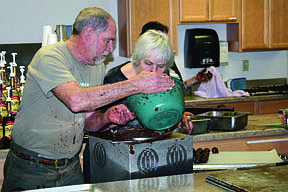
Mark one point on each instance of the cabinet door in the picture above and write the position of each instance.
(238, 107)
(224, 10)
(194, 10)
(133, 14)
(278, 23)
(208, 10)
(243, 107)
(273, 106)
(255, 24)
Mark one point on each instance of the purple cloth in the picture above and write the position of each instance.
(216, 88)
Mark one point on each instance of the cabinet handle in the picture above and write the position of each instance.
(232, 18)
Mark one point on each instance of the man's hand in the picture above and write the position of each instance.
(119, 114)
(153, 82)
(186, 123)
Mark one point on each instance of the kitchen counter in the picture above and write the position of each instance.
(189, 182)
(192, 100)
(185, 182)
(258, 135)
(256, 121)
(270, 178)
(256, 127)
(176, 183)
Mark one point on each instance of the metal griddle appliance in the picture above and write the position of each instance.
(114, 158)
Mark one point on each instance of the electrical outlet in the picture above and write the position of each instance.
(245, 65)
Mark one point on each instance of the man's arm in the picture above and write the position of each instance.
(90, 98)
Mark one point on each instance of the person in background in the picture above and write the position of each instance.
(61, 96)
(201, 76)
(154, 53)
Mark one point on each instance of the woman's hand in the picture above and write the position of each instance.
(186, 123)
(202, 76)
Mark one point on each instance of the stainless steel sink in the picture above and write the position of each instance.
(225, 120)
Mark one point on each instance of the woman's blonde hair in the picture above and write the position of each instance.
(154, 43)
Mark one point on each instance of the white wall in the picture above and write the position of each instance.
(262, 65)
(21, 21)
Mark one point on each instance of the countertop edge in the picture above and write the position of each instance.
(192, 100)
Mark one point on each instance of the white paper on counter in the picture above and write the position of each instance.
(244, 157)
(241, 159)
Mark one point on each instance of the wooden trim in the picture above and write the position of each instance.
(174, 21)
(270, 23)
(256, 107)
(123, 28)
(129, 34)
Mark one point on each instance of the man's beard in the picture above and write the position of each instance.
(99, 60)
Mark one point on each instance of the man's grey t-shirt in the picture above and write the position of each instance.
(44, 124)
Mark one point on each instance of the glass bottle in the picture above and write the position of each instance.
(1, 122)
(2, 144)
(3, 107)
(15, 101)
(4, 79)
(3, 114)
(22, 82)
(14, 68)
(8, 121)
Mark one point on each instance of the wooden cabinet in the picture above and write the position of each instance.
(243, 107)
(260, 107)
(252, 25)
(253, 107)
(255, 24)
(272, 106)
(133, 14)
(208, 10)
(189, 12)
(238, 107)
(278, 24)
(262, 26)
